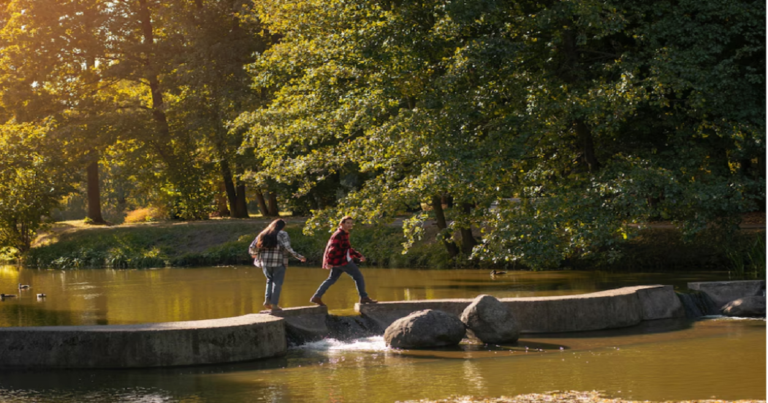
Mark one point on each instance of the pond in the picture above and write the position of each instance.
(659, 360)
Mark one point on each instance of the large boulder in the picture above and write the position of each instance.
(747, 307)
(425, 329)
(490, 320)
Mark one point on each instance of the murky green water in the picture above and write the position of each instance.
(660, 360)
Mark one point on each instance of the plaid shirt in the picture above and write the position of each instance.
(336, 250)
(273, 257)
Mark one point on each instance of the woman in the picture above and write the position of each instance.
(268, 253)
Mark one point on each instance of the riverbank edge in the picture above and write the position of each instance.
(225, 242)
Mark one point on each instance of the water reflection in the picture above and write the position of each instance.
(105, 296)
(659, 360)
(721, 358)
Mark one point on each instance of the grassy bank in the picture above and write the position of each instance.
(212, 243)
(225, 242)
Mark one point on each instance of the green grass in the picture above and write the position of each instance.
(212, 244)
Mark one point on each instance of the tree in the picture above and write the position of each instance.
(33, 178)
(50, 68)
(220, 38)
(167, 75)
(591, 115)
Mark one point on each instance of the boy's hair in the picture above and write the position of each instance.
(345, 218)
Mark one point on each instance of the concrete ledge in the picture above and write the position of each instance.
(304, 324)
(659, 302)
(622, 307)
(723, 292)
(226, 340)
(576, 313)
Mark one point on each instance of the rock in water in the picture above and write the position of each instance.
(491, 321)
(747, 307)
(425, 329)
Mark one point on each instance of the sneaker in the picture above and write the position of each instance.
(367, 300)
(317, 300)
(276, 309)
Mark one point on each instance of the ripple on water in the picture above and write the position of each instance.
(375, 343)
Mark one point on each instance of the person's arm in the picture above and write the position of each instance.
(352, 252)
(285, 241)
(253, 250)
(355, 254)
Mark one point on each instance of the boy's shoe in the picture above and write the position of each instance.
(367, 300)
(276, 309)
(317, 300)
(268, 306)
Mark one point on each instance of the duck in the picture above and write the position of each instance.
(23, 286)
(497, 273)
(40, 295)
(4, 296)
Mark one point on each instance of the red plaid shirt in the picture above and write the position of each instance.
(336, 250)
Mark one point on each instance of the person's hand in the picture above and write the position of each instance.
(362, 258)
(253, 256)
(303, 260)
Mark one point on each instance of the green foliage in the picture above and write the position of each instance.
(32, 180)
(748, 263)
(145, 88)
(591, 116)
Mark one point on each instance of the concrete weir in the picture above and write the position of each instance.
(214, 341)
(256, 336)
(622, 307)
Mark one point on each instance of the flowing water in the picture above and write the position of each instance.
(658, 360)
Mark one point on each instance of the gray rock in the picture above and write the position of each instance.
(747, 307)
(425, 329)
(722, 292)
(491, 321)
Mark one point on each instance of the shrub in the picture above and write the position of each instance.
(146, 214)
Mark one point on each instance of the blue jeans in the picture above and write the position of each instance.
(275, 276)
(349, 268)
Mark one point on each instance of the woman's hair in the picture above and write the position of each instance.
(268, 237)
(346, 217)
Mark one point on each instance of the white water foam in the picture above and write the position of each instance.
(723, 317)
(375, 343)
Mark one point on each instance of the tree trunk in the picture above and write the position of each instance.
(588, 157)
(229, 187)
(437, 207)
(221, 201)
(273, 210)
(448, 201)
(262, 203)
(467, 240)
(158, 114)
(761, 177)
(241, 204)
(94, 199)
(571, 74)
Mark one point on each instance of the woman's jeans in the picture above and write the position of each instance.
(275, 276)
(349, 268)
